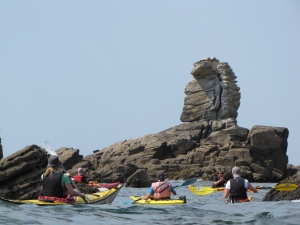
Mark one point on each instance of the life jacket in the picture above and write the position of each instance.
(161, 189)
(52, 185)
(78, 178)
(238, 192)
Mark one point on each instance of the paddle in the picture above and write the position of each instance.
(52, 152)
(185, 183)
(281, 187)
(208, 190)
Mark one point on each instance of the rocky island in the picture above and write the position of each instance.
(208, 139)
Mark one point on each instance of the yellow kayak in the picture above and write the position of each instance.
(207, 190)
(139, 200)
(103, 197)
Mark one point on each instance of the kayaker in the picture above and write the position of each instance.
(55, 183)
(160, 189)
(219, 180)
(236, 188)
(80, 177)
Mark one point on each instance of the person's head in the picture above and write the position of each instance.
(53, 161)
(220, 173)
(81, 172)
(160, 176)
(236, 172)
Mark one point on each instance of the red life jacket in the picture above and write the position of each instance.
(161, 190)
(78, 178)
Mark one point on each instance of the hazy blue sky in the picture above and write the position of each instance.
(87, 74)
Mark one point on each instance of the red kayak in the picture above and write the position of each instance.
(104, 185)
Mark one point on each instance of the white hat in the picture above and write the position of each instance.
(236, 172)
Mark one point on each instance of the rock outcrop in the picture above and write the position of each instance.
(274, 195)
(208, 140)
(213, 95)
(20, 173)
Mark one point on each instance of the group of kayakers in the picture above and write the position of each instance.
(59, 185)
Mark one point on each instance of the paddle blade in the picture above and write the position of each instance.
(285, 187)
(49, 149)
(188, 182)
(201, 190)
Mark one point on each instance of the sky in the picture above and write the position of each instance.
(88, 74)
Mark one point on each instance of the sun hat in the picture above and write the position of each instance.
(236, 172)
(160, 175)
(53, 161)
(81, 172)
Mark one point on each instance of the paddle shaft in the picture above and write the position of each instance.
(281, 187)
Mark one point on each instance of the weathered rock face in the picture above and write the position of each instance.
(213, 95)
(207, 141)
(20, 173)
(274, 195)
(185, 151)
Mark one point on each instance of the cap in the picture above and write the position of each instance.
(160, 175)
(236, 172)
(81, 172)
(53, 161)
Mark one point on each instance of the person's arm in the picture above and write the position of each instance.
(218, 181)
(68, 174)
(73, 192)
(226, 192)
(252, 188)
(147, 196)
(65, 182)
(173, 190)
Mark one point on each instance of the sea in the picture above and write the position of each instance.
(204, 209)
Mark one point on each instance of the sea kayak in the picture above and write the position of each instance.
(103, 197)
(207, 190)
(139, 200)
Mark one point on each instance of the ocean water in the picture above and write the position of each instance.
(206, 209)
